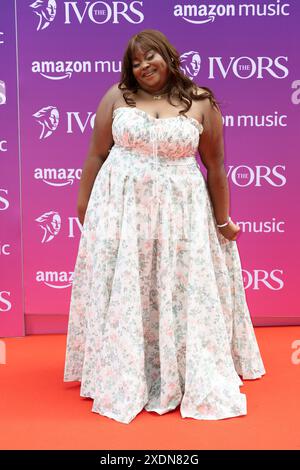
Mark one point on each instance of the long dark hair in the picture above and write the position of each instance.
(180, 85)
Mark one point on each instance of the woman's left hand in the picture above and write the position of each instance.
(230, 231)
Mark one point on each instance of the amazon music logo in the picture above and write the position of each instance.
(57, 177)
(203, 14)
(55, 279)
(262, 226)
(63, 69)
(263, 120)
(260, 175)
(60, 69)
(261, 278)
(98, 12)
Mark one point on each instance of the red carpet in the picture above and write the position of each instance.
(39, 411)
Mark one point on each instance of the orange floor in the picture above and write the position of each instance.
(39, 411)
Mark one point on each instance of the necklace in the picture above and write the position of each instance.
(158, 97)
(155, 97)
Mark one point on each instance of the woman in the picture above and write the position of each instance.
(158, 314)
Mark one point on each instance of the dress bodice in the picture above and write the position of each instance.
(176, 136)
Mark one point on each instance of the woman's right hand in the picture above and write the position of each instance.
(230, 231)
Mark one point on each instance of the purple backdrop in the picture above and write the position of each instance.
(69, 53)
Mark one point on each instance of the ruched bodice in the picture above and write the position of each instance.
(176, 136)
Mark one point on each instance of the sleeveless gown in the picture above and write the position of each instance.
(158, 314)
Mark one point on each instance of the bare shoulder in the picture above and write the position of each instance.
(115, 91)
(102, 138)
(199, 107)
(211, 114)
(211, 144)
(204, 104)
(116, 95)
(108, 97)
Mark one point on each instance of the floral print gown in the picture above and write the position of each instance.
(158, 314)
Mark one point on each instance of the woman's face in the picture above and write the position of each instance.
(149, 69)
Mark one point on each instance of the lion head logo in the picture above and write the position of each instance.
(190, 63)
(46, 11)
(50, 222)
(48, 117)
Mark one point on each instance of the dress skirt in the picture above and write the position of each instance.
(158, 313)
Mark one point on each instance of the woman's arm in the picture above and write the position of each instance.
(100, 144)
(211, 150)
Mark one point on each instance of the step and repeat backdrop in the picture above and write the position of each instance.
(57, 60)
